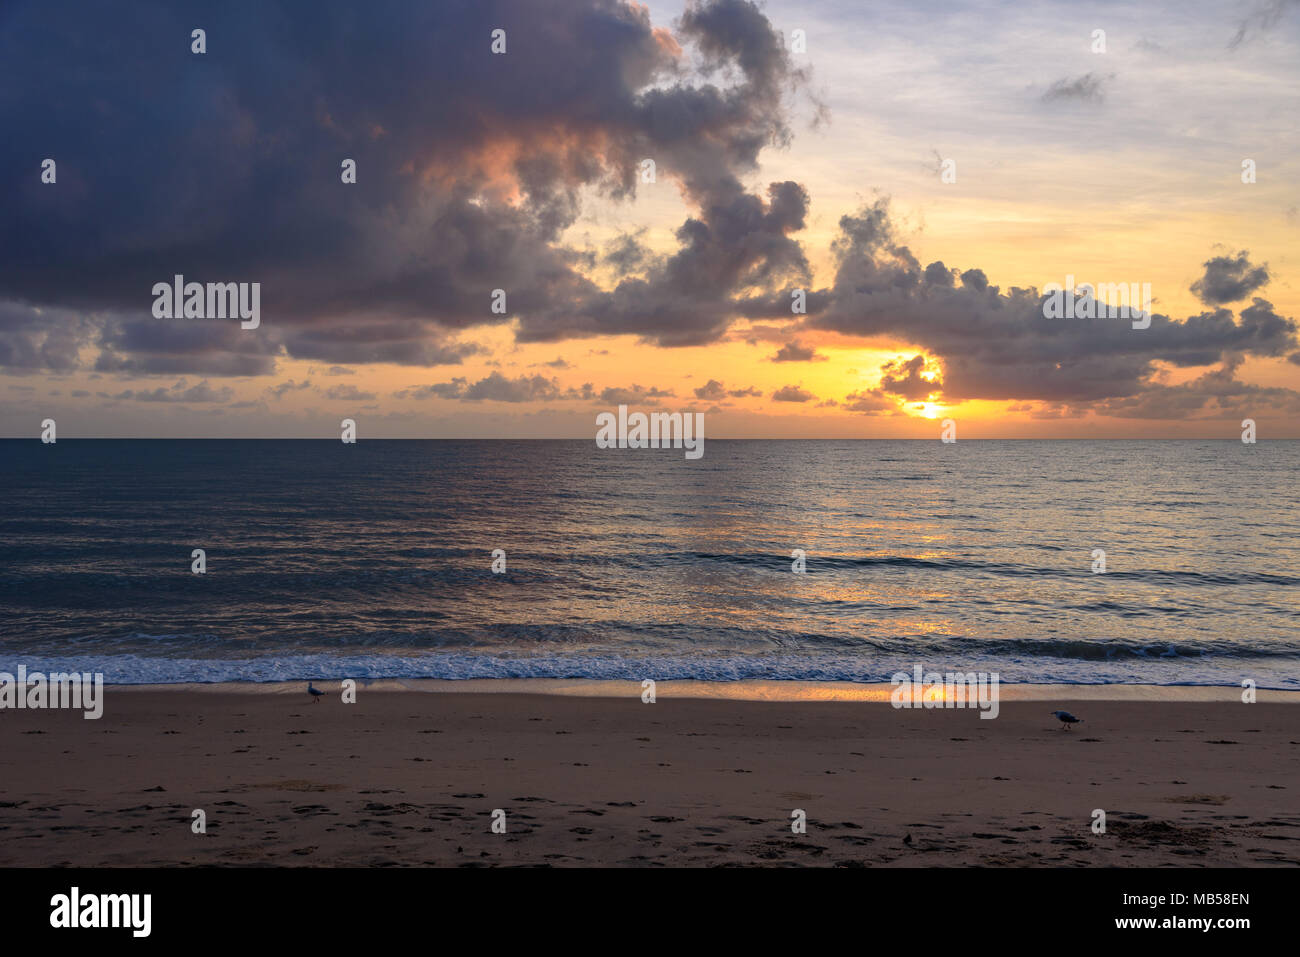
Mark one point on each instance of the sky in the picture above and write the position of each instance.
(852, 218)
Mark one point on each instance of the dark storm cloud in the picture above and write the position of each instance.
(1229, 279)
(996, 344)
(147, 346)
(225, 166)
(39, 339)
(739, 242)
(401, 341)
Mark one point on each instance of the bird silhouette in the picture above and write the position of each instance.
(1066, 719)
(316, 693)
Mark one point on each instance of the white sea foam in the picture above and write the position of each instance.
(138, 669)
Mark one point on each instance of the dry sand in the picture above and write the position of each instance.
(409, 778)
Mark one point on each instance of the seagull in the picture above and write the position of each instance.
(316, 693)
(1066, 719)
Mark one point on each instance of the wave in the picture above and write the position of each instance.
(815, 562)
(135, 669)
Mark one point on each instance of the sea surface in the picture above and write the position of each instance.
(374, 560)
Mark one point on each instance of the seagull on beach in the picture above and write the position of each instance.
(1066, 719)
(316, 693)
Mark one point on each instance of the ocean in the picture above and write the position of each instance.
(374, 560)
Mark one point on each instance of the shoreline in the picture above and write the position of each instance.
(745, 690)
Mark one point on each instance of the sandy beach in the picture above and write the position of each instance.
(404, 778)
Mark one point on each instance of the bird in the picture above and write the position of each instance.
(1066, 719)
(316, 693)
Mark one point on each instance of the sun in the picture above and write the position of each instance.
(929, 410)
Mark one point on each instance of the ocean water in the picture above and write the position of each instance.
(373, 560)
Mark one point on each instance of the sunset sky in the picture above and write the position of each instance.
(776, 168)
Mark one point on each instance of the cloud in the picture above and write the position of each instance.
(349, 392)
(792, 393)
(995, 344)
(34, 339)
(1229, 279)
(1264, 17)
(738, 242)
(1087, 87)
(288, 385)
(232, 173)
(794, 352)
(438, 390)
(1216, 393)
(871, 402)
(903, 378)
(472, 170)
(636, 395)
(626, 255)
(179, 393)
(713, 390)
(496, 387)
(409, 342)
